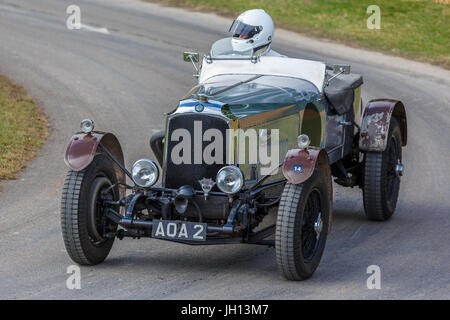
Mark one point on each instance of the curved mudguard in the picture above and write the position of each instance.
(375, 124)
(82, 148)
(299, 165)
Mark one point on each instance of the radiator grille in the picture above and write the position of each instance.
(177, 175)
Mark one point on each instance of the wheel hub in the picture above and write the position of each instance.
(399, 168)
(318, 225)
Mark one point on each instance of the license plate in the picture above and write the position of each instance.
(179, 230)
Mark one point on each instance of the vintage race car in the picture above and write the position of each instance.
(247, 156)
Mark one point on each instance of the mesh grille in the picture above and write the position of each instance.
(177, 175)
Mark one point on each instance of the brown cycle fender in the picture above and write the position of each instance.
(375, 124)
(299, 165)
(84, 146)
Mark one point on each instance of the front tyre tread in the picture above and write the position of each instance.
(378, 204)
(291, 263)
(74, 212)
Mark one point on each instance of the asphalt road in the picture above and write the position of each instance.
(125, 78)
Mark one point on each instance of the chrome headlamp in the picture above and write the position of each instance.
(145, 173)
(87, 125)
(230, 179)
(303, 141)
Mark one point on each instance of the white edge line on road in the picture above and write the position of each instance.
(94, 29)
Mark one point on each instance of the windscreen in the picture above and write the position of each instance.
(251, 89)
(224, 48)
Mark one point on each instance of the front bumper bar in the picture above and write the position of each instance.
(253, 238)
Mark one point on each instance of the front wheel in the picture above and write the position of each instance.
(302, 227)
(83, 222)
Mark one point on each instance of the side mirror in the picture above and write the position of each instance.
(341, 68)
(191, 56)
(194, 58)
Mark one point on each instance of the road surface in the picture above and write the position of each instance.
(124, 70)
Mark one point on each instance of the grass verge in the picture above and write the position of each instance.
(23, 128)
(417, 29)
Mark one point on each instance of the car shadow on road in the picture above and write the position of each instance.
(345, 256)
(178, 256)
(152, 253)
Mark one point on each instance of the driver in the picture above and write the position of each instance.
(252, 33)
(253, 30)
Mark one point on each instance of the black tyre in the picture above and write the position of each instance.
(382, 177)
(84, 226)
(302, 227)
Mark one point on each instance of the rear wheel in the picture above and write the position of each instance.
(382, 172)
(302, 227)
(83, 222)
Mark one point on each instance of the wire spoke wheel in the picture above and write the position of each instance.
(393, 180)
(99, 225)
(302, 227)
(310, 225)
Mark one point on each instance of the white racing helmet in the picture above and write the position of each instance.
(253, 29)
